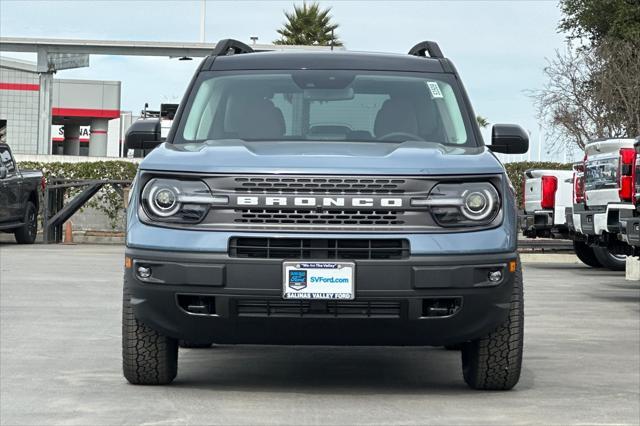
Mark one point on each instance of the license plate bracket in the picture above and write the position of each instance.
(318, 280)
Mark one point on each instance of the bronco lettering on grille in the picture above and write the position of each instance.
(319, 201)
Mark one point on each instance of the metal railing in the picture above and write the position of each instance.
(56, 211)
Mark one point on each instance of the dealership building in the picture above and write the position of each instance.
(85, 116)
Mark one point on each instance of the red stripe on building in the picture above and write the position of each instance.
(59, 139)
(19, 86)
(86, 112)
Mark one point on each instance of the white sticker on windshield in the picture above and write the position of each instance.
(435, 90)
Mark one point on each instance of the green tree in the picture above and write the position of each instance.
(593, 88)
(308, 25)
(596, 20)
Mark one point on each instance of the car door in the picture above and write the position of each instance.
(10, 188)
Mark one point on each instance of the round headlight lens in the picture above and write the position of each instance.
(478, 205)
(476, 202)
(163, 200)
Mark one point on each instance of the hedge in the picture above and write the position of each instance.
(107, 199)
(110, 202)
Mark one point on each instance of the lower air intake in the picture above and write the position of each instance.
(305, 248)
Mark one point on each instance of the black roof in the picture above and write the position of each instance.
(327, 60)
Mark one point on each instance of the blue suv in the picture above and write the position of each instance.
(324, 198)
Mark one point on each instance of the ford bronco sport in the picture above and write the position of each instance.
(324, 198)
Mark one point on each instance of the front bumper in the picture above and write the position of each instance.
(391, 306)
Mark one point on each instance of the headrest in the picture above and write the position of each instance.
(396, 115)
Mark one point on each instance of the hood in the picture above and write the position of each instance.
(325, 157)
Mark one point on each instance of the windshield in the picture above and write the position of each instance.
(324, 105)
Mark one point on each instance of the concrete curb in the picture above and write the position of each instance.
(549, 258)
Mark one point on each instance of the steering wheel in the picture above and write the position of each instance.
(406, 135)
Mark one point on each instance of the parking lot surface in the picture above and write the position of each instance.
(60, 358)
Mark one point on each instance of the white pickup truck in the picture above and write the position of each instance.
(546, 195)
(554, 201)
(628, 212)
(608, 191)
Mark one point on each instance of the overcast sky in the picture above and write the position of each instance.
(499, 47)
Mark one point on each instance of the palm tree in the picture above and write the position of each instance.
(308, 25)
(482, 122)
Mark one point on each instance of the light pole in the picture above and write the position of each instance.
(539, 143)
(203, 14)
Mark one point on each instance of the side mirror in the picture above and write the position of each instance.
(143, 134)
(3, 172)
(509, 139)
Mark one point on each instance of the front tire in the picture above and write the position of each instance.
(610, 260)
(586, 254)
(27, 233)
(494, 361)
(148, 358)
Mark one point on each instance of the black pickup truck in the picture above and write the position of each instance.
(20, 192)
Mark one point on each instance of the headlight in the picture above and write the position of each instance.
(462, 204)
(173, 200)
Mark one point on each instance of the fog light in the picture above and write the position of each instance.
(495, 276)
(144, 272)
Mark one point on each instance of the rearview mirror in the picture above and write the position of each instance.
(345, 94)
(143, 134)
(3, 172)
(509, 139)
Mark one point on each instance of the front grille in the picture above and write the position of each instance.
(312, 217)
(318, 185)
(332, 208)
(307, 248)
(318, 308)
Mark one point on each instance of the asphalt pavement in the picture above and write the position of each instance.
(60, 358)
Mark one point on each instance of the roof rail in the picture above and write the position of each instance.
(230, 46)
(424, 47)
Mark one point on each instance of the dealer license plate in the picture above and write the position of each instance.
(318, 280)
